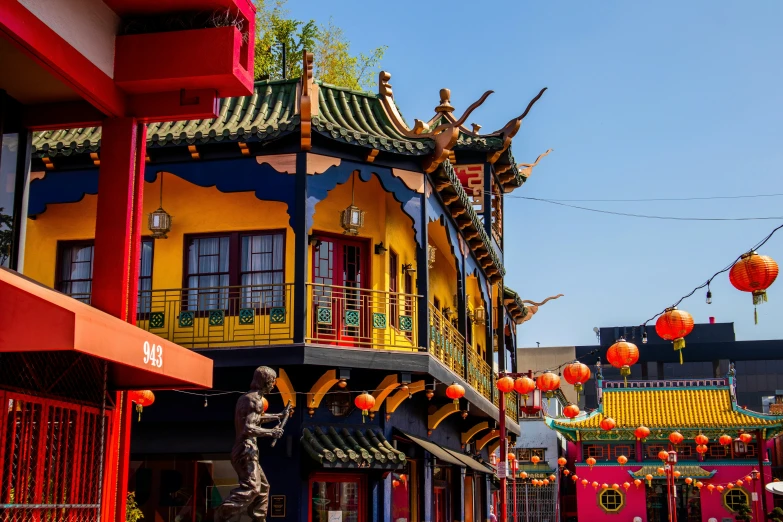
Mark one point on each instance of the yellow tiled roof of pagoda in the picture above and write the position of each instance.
(668, 408)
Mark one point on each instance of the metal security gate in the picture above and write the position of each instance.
(533, 503)
(52, 450)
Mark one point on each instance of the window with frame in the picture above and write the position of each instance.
(75, 265)
(253, 261)
(611, 500)
(651, 450)
(718, 452)
(524, 454)
(597, 451)
(734, 498)
(627, 450)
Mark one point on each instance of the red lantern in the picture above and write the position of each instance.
(595, 485)
(552, 478)
(523, 475)
(608, 424)
(637, 483)
(575, 478)
(746, 438)
(676, 437)
(660, 471)
(535, 459)
(584, 483)
(562, 462)
(571, 411)
(604, 486)
(455, 392)
(711, 488)
(395, 483)
(701, 440)
(364, 402)
(719, 488)
(649, 478)
(622, 460)
(505, 384)
(673, 325)
(566, 472)
(141, 398)
(754, 273)
(642, 432)
(724, 440)
(730, 485)
(546, 482)
(548, 383)
(740, 483)
(524, 385)
(702, 449)
(576, 374)
(663, 455)
(590, 462)
(623, 355)
(626, 485)
(676, 474)
(699, 485)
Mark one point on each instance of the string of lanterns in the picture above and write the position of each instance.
(750, 272)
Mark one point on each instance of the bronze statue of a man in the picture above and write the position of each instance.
(252, 494)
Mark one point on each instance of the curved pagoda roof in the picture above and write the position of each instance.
(305, 106)
(690, 407)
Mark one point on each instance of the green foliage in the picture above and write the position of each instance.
(776, 515)
(334, 63)
(743, 513)
(132, 511)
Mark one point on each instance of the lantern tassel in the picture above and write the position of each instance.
(755, 315)
(139, 408)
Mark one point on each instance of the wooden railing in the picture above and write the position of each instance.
(446, 343)
(347, 316)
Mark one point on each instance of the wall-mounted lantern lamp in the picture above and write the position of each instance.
(480, 316)
(380, 249)
(408, 268)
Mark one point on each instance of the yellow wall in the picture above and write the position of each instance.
(479, 335)
(384, 221)
(443, 275)
(194, 210)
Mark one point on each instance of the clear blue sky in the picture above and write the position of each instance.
(662, 99)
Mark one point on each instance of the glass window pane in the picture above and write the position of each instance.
(8, 161)
(335, 496)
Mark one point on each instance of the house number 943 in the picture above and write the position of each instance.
(153, 354)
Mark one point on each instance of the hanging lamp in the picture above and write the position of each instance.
(352, 218)
(159, 222)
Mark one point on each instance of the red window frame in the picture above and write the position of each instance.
(339, 477)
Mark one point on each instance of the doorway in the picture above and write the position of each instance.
(688, 503)
(332, 493)
(440, 504)
(340, 301)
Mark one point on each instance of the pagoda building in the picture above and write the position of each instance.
(612, 471)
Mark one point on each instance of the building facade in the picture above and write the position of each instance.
(615, 472)
(312, 231)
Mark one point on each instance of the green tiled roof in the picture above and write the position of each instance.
(695, 472)
(516, 307)
(271, 111)
(350, 449)
(267, 113)
(357, 117)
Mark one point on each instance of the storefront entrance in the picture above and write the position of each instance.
(338, 497)
(688, 503)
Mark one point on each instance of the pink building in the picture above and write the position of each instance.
(722, 477)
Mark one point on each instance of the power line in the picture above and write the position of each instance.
(716, 274)
(646, 216)
(635, 200)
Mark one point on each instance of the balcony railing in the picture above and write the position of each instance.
(350, 316)
(253, 315)
(479, 374)
(446, 343)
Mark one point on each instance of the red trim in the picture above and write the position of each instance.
(339, 477)
(60, 58)
(66, 115)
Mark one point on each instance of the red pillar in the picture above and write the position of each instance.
(503, 457)
(116, 264)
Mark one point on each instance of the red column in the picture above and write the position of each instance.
(116, 263)
(503, 457)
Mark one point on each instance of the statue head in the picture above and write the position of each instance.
(263, 379)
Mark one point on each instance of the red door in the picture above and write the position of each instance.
(440, 505)
(340, 304)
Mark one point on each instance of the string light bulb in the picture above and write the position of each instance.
(709, 295)
(205, 401)
(644, 335)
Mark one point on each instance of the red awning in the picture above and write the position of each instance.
(38, 319)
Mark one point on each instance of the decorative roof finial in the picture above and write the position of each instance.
(445, 101)
(476, 127)
(384, 87)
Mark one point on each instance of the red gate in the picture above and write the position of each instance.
(50, 459)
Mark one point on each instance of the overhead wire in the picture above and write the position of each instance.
(706, 284)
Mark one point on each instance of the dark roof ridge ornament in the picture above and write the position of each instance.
(445, 101)
(511, 128)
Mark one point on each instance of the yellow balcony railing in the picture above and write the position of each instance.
(347, 316)
(512, 406)
(252, 315)
(479, 374)
(446, 343)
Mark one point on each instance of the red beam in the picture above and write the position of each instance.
(60, 58)
(64, 115)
